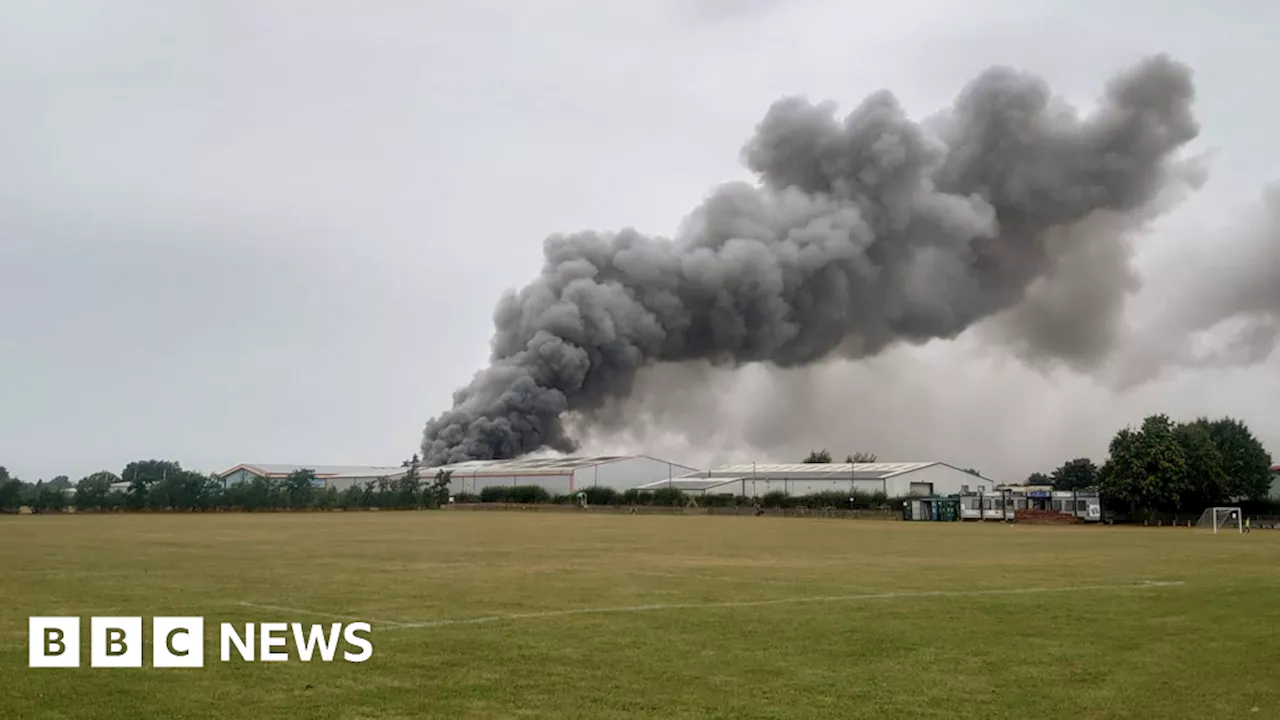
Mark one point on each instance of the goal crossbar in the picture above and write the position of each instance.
(1221, 519)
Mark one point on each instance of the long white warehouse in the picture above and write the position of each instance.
(892, 479)
(560, 475)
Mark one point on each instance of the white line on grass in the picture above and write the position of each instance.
(713, 578)
(779, 601)
(299, 611)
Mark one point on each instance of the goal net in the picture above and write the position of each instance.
(1221, 519)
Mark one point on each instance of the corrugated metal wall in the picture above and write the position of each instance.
(624, 474)
(944, 479)
(621, 475)
(473, 484)
(760, 487)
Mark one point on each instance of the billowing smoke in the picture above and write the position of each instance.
(865, 232)
(1221, 305)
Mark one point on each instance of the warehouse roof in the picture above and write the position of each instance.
(560, 465)
(321, 471)
(876, 470)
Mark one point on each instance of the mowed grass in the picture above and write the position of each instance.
(940, 638)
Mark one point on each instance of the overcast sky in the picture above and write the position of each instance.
(271, 231)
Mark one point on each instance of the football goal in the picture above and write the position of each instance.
(1221, 519)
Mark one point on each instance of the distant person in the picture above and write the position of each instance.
(1247, 523)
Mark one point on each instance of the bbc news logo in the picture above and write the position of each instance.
(178, 642)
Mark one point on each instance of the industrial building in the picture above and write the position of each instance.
(892, 479)
(560, 475)
(339, 477)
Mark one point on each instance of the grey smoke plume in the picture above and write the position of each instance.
(1221, 306)
(865, 232)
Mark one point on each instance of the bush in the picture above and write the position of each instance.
(528, 494)
(326, 499)
(493, 494)
(670, 497)
(466, 498)
(775, 499)
(637, 497)
(602, 495)
(724, 501)
(522, 494)
(828, 499)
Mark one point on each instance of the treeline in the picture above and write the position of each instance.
(1174, 467)
(164, 485)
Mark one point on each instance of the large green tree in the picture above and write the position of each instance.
(1206, 479)
(1245, 462)
(1147, 469)
(1076, 474)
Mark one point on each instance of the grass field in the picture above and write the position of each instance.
(659, 616)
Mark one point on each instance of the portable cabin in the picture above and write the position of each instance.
(1003, 503)
(937, 509)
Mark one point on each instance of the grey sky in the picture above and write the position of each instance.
(276, 231)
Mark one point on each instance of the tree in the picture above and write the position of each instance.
(49, 498)
(1147, 469)
(405, 488)
(1039, 478)
(10, 493)
(1245, 462)
(438, 493)
(818, 456)
(326, 499)
(93, 490)
(973, 471)
(299, 487)
(141, 475)
(860, 457)
(213, 493)
(180, 490)
(1206, 479)
(61, 482)
(1076, 474)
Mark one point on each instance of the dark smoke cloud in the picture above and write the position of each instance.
(865, 232)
